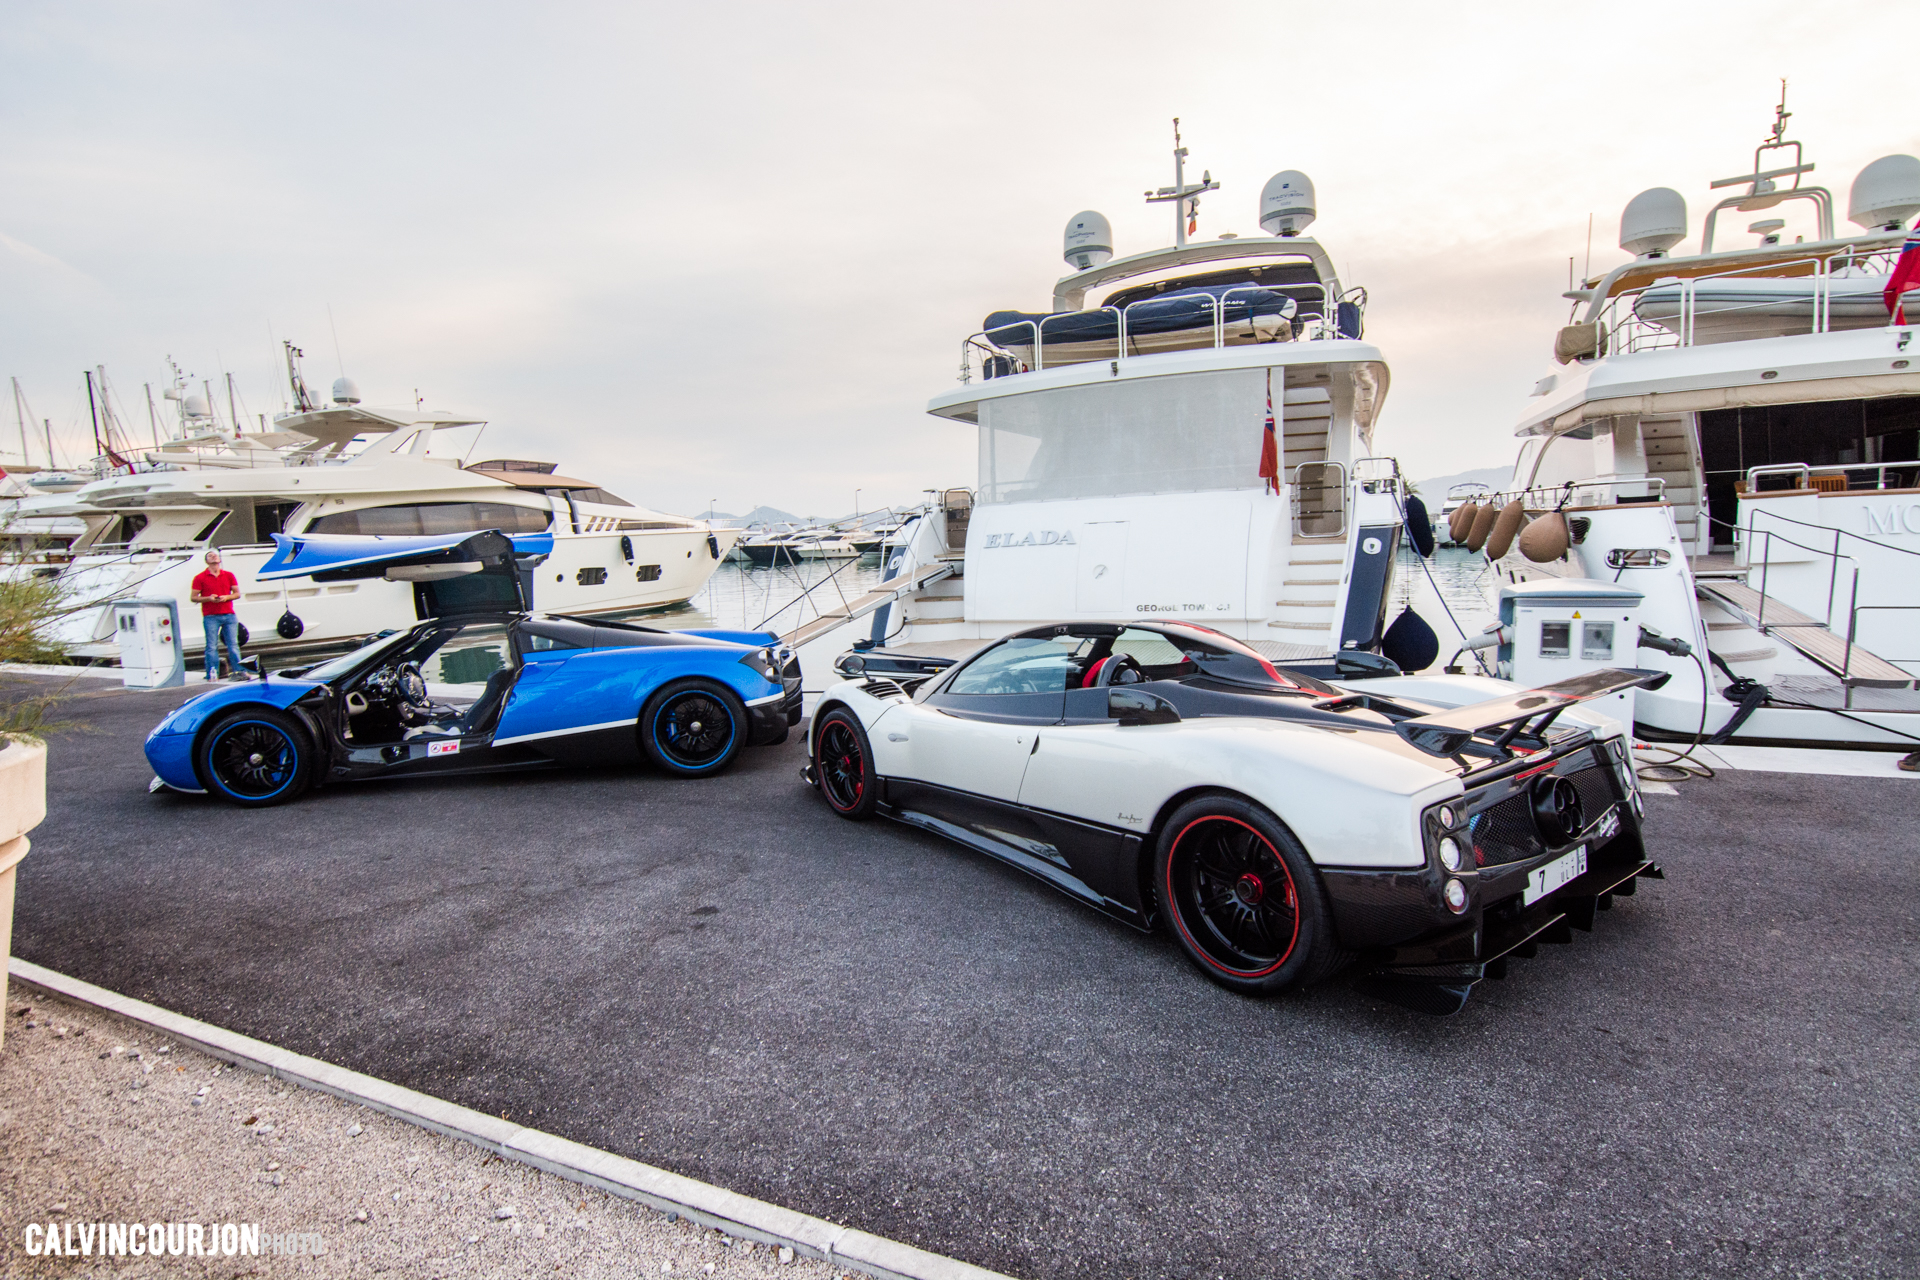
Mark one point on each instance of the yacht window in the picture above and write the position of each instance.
(428, 518)
(206, 530)
(1174, 434)
(270, 518)
(1021, 665)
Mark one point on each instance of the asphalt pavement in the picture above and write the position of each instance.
(869, 1024)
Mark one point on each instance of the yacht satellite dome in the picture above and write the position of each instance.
(345, 392)
(172, 393)
(196, 407)
(1286, 203)
(1653, 222)
(1886, 194)
(1089, 240)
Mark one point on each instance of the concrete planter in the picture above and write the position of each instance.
(23, 803)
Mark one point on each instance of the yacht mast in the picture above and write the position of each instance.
(1185, 199)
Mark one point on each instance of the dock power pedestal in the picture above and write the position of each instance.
(149, 636)
(1554, 628)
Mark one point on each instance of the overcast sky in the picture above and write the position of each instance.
(727, 253)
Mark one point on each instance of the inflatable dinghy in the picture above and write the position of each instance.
(1176, 321)
(1737, 309)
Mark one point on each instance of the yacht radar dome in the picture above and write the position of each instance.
(196, 407)
(1286, 203)
(1653, 222)
(1089, 240)
(1886, 194)
(345, 392)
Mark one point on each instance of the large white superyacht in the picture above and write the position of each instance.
(1734, 434)
(346, 468)
(1121, 472)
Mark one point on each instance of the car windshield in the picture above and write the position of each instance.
(348, 661)
(1022, 665)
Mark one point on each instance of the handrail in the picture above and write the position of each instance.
(1625, 330)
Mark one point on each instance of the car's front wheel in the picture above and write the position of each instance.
(693, 728)
(1242, 898)
(843, 765)
(256, 757)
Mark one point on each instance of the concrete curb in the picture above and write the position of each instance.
(712, 1206)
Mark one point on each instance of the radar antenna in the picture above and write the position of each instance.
(1184, 198)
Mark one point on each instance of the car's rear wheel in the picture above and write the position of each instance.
(843, 765)
(255, 757)
(1242, 898)
(693, 728)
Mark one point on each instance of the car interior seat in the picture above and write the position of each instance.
(486, 708)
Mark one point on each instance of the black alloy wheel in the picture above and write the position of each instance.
(1242, 898)
(693, 728)
(255, 757)
(843, 765)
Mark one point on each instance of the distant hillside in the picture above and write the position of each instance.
(762, 514)
(1435, 490)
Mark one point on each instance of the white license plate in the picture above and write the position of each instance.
(1558, 874)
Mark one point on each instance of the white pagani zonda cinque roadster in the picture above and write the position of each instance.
(1424, 828)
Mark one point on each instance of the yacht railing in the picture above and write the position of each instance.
(1905, 474)
(980, 355)
(1621, 330)
(1313, 515)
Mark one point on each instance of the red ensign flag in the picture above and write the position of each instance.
(1906, 274)
(1270, 445)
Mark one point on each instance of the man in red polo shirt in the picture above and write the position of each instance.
(215, 590)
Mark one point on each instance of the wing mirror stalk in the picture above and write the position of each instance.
(1137, 706)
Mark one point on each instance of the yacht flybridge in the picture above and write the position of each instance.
(346, 468)
(1735, 433)
(1183, 433)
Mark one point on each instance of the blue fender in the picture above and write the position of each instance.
(169, 747)
(594, 689)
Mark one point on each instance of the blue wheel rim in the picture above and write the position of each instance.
(694, 731)
(252, 759)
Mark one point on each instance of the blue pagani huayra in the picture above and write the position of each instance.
(559, 690)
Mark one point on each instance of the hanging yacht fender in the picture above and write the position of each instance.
(1419, 526)
(1482, 526)
(1462, 520)
(290, 626)
(1505, 526)
(713, 546)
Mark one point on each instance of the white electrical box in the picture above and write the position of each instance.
(1554, 628)
(148, 632)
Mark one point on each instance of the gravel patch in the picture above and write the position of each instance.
(103, 1120)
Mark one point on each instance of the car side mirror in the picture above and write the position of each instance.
(1358, 664)
(1137, 706)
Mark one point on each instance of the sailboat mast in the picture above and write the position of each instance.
(93, 410)
(153, 418)
(20, 417)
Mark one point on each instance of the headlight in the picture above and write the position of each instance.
(1447, 817)
(1450, 853)
(1456, 895)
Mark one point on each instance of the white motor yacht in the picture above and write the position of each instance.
(1120, 457)
(345, 468)
(1735, 434)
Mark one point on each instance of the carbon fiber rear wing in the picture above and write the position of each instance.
(1447, 733)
